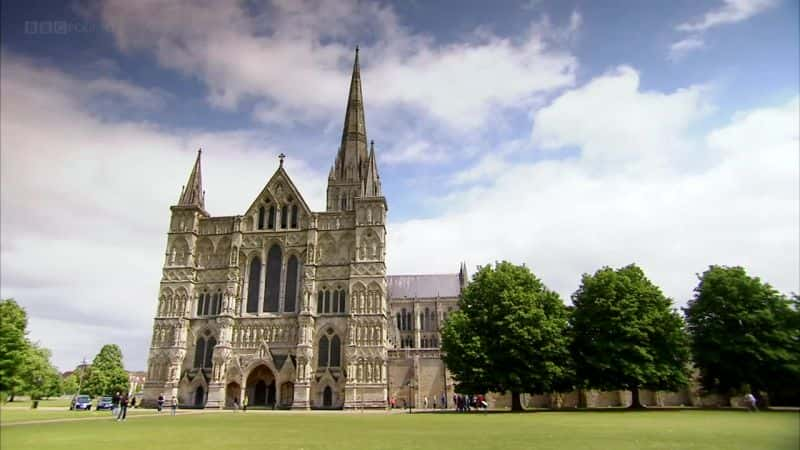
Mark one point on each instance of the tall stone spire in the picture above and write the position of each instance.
(193, 194)
(353, 151)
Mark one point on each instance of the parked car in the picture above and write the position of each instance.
(81, 402)
(105, 403)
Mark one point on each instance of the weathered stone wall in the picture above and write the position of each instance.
(427, 374)
(610, 399)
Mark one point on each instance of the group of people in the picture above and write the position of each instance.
(119, 406)
(173, 404)
(465, 403)
(462, 403)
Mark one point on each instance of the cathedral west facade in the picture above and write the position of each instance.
(287, 307)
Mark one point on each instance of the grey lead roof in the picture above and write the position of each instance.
(423, 286)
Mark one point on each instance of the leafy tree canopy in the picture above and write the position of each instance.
(508, 335)
(70, 384)
(14, 345)
(42, 379)
(107, 374)
(626, 334)
(25, 367)
(744, 334)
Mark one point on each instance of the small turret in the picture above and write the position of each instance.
(463, 276)
(192, 194)
(372, 182)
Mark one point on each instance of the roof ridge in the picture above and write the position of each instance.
(423, 275)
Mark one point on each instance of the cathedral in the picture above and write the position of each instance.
(285, 307)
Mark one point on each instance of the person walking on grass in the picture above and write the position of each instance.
(160, 402)
(115, 405)
(123, 408)
(235, 404)
(174, 405)
(750, 402)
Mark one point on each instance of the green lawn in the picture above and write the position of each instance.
(25, 402)
(12, 415)
(541, 430)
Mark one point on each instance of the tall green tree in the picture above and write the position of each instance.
(70, 384)
(25, 368)
(14, 347)
(626, 335)
(508, 335)
(744, 333)
(41, 377)
(107, 374)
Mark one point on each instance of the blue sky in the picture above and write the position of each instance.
(565, 135)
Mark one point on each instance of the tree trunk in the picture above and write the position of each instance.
(11, 398)
(516, 401)
(636, 402)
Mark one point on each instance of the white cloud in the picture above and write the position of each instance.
(617, 126)
(531, 5)
(732, 11)
(631, 194)
(487, 168)
(135, 95)
(681, 48)
(575, 22)
(85, 204)
(287, 55)
(419, 152)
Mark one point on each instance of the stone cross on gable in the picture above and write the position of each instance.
(280, 157)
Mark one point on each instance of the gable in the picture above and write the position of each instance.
(277, 190)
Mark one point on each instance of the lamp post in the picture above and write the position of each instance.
(80, 378)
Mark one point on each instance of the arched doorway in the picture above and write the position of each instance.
(327, 397)
(232, 393)
(199, 396)
(260, 390)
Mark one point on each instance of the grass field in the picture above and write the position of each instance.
(541, 430)
(14, 415)
(25, 402)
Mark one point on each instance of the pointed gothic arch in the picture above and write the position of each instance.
(199, 352)
(222, 253)
(179, 252)
(273, 279)
(323, 352)
(253, 283)
(294, 221)
(208, 361)
(290, 292)
(205, 252)
(327, 397)
(285, 216)
(271, 218)
(335, 352)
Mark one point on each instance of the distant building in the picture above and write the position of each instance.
(283, 306)
(136, 381)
